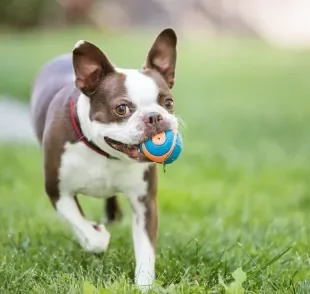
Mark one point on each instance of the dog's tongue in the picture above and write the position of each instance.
(130, 150)
(133, 152)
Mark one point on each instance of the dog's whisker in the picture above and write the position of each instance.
(181, 122)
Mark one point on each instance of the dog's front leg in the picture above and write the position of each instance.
(144, 230)
(92, 236)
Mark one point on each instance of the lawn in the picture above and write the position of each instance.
(239, 196)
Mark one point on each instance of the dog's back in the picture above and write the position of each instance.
(53, 77)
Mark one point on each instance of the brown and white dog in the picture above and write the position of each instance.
(89, 116)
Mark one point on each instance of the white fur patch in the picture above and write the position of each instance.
(79, 43)
(141, 89)
(84, 171)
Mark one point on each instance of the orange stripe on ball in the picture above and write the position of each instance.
(162, 158)
(159, 139)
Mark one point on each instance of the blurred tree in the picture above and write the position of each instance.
(23, 14)
(76, 10)
(27, 13)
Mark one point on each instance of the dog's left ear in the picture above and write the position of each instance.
(163, 54)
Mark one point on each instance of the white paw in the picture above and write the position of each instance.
(144, 288)
(144, 281)
(96, 239)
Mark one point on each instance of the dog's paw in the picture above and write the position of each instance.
(144, 288)
(144, 281)
(96, 240)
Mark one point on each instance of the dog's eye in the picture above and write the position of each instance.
(169, 103)
(122, 109)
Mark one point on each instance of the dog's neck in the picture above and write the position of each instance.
(82, 111)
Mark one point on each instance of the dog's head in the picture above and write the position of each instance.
(121, 108)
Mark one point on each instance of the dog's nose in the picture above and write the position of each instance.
(153, 118)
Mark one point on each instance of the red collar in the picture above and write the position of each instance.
(78, 131)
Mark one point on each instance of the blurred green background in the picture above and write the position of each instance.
(238, 196)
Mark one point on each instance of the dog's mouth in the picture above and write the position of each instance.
(131, 151)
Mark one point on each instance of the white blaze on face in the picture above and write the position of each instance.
(143, 92)
(141, 89)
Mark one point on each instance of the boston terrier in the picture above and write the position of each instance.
(89, 116)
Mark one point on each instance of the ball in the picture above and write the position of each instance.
(164, 147)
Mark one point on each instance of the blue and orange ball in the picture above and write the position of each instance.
(165, 147)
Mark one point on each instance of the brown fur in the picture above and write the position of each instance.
(150, 202)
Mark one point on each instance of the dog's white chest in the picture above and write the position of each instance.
(84, 171)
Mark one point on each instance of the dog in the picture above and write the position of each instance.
(89, 116)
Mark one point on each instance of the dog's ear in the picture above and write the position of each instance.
(163, 54)
(90, 66)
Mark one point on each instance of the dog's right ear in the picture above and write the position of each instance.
(90, 66)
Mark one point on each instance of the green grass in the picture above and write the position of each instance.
(238, 197)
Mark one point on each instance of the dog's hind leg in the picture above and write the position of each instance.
(113, 211)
